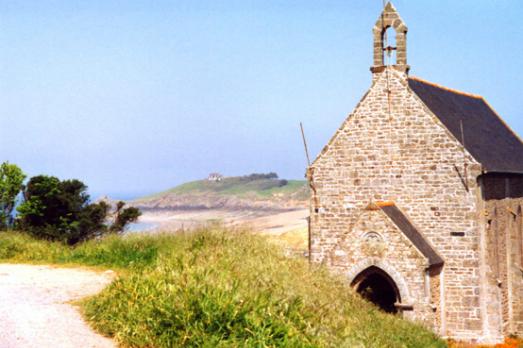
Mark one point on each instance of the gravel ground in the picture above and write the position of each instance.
(34, 311)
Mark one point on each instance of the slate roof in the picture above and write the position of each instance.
(410, 231)
(488, 139)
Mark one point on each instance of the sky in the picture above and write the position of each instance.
(134, 97)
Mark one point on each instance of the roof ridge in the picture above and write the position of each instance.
(452, 90)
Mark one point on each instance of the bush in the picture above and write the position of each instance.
(60, 211)
(122, 217)
(11, 183)
(259, 176)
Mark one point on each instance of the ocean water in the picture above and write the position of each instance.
(141, 227)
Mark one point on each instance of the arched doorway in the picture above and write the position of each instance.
(377, 286)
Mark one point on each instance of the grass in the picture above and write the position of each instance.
(219, 288)
(295, 240)
(131, 252)
(240, 186)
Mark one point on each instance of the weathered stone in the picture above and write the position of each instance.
(392, 148)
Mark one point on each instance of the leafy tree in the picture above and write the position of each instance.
(122, 217)
(11, 183)
(259, 176)
(60, 210)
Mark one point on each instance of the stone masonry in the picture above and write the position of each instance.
(393, 150)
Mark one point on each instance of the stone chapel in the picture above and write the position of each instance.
(417, 199)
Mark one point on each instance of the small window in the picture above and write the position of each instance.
(457, 234)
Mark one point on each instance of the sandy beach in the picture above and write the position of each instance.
(262, 221)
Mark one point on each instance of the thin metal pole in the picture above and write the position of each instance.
(465, 174)
(305, 145)
(309, 179)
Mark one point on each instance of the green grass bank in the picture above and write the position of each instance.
(240, 186)
(219, 288)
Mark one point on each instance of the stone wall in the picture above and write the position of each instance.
(392, 148)
(378, 241)
(505, 260)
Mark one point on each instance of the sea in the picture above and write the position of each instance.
(141, 227)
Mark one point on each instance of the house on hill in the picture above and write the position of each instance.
(417, 199)
(215, 177)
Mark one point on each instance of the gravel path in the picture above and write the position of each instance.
(33, 308)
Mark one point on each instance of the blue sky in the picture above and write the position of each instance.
(133, 97)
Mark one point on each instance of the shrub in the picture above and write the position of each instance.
(122, 217)
(259, 176)
(11, 183)
(60, 211)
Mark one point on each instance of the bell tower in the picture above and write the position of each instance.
(390, 23)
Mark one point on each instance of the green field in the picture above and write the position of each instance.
(219, 288)
(241, 186)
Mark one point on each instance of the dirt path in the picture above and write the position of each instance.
(33, 308)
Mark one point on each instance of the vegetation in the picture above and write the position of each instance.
(133, 252)
(295, 241)
(123, 216)
(254, 185)
(11, 183)
(219, 288)
(258, 176)
(60, 211)
(57, 210)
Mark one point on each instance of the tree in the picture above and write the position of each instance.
(60, 210)
(122, 217)
(259, 176)
(11, 183)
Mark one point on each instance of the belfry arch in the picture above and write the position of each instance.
(390, 22)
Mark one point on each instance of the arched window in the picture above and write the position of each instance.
(373, 237)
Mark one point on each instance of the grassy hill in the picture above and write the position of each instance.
(240, 186)
(230, 192)
(219, 288)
